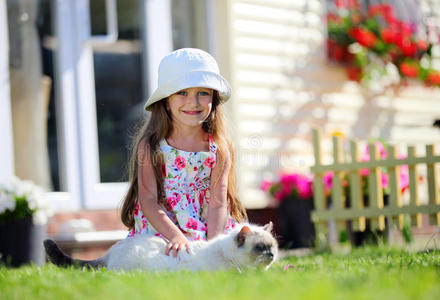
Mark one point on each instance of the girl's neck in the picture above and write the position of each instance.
(189, 140)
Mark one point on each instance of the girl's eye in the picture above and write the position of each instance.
(181, 93)
(203, 93)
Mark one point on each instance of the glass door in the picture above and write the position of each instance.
(103, 74)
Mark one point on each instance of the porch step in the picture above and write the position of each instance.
(72, 241)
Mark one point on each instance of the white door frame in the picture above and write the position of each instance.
(7, 148)
(76, 102)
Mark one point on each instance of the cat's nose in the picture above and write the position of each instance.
(269, 255)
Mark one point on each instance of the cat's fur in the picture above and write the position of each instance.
(245, 246)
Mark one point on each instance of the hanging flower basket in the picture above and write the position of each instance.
(379, 49)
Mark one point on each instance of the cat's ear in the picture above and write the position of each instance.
(241, 236)
(268, 227)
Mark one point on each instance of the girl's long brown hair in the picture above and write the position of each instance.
(158, 127)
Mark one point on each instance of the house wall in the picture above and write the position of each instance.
(283, 86)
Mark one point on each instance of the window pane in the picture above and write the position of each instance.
(118, 81)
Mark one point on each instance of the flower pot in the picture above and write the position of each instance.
(21, 242)
(296, 227)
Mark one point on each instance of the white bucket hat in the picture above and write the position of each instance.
(186, 68)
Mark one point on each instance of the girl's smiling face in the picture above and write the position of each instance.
(191, 106)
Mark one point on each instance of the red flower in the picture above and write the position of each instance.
(340, 3)
(180, 162)
(191, 224)
(434, 77)
(164, 171)
(364, 37)
(209, 162)
(136, 209)
(375, 9)
(406, 28)
(408, 48)
(172, 201)
(384, 10)
(338, 52)
(202, 196)
(354, 73)
(350, 4)
(389, 35)
(334, 18)
(409, 69)
(422, 44)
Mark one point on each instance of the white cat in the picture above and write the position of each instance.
(245, 246)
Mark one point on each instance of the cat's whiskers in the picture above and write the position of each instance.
(236, 265)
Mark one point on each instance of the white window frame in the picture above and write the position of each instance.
(76, 101)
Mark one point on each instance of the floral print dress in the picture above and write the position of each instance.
(187, 188)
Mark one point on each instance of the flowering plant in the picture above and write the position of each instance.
(378, 48)
(289, 185)
(403, 173)
(20, 199)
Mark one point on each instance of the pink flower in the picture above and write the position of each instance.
(189, 198)
(265, 185)
(328, 182)
(209, 162)
(289, 185)
(180, 162)
(364, 172)
(403, 170)
(384, 180)
(191, 224)
(202, 196)
(173, 200)
(136, 209)
(278, 195)
(404, 178)
(382, 152)
(305, 188)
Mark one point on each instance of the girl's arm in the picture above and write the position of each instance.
(218, 204)
(148, 202)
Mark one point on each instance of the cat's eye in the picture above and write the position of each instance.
(260, 247)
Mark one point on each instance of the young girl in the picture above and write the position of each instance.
(182, 184)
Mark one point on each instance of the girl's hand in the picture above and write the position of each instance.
(176, 244)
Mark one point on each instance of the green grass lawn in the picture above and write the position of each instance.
(368, 273)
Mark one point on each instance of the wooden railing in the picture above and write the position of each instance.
(376, 211)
